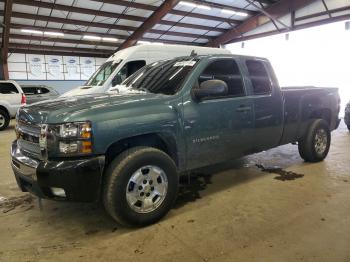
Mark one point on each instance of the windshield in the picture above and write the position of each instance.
(102, 74)
(164, 77)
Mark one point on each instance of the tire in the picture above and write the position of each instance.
(138, 163)
(348, 127)
(314, 147)
(4, 119)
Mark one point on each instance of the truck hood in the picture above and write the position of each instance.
(83, 90)
(82, 107)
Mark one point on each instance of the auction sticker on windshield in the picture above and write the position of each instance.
(185, 63)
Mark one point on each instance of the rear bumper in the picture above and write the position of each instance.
(80, 179)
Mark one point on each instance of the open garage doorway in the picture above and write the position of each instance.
(316, 56)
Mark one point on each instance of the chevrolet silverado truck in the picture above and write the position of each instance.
(128, 147)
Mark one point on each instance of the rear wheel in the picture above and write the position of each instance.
(314, 147)
(141, 186)
(4, 119)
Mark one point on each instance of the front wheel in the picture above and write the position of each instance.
(141, 186)
(314, 147)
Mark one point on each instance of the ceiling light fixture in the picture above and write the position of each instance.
(109, 39)
(31, 31)
(232, 12)
(194, 5)
(92, 37)
(143, 42)
(53, 33)
(227, 11)
(205, 7)
(241, 14)
(188, 4)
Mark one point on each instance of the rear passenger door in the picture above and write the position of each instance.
(220, 128)
(268, 104)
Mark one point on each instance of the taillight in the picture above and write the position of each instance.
(24, 99)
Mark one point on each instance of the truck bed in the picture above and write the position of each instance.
(307, 88)
(303, 103)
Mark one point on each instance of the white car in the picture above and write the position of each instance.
(11, 98)
(124, 63)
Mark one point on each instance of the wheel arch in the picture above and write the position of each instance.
(162, 141)
(322, 113)
(5, 109)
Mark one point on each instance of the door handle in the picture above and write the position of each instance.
(243, 108)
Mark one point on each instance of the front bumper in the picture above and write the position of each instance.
(80, 179)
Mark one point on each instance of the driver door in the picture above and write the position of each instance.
(220, 128)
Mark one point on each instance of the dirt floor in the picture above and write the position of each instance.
(267, 207)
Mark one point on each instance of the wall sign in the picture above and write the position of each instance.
(36, 67)
(87, 66)
(72, 67)
(54, 67)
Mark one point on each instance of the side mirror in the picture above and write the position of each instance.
(210, 89)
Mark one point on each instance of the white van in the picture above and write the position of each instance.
(127, 61)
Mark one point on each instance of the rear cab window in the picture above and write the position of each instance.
(259, 77)
(8, 89)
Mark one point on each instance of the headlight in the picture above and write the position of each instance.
(75, 130)
(69, 139)
(72, 147)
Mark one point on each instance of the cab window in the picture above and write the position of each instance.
(127, 70)
(259, 77)
(44, 90)
(102, 74)
(228, 71)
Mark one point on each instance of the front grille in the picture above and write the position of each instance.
(28, 139)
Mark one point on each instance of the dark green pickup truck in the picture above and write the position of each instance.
(128, 147)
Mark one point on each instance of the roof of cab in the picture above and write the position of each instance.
(223, 55)
(122, 54)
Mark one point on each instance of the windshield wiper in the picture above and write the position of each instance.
(114, 89)
(119, 88)
(142, 89)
